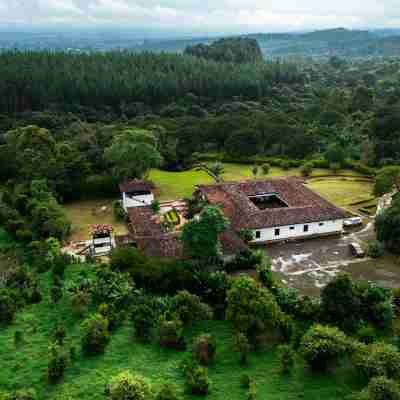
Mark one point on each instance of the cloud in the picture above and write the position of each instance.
(206, 16)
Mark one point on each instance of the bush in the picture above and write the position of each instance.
(127, 386)
(143, 318)
(22, 394)
(375, 249)
(188, 307)
(245, 381)
(335, 167)
(366, 335)
(306, 169)
(323, 345)
(245, 260)
(286, 358)
(377, 359)
(118, 211)
(57, 363)
(167, 392)
(95, 334)
(170, 333)
(382, 388)
(396, 301)
(265, 168)
(252, 392)
(204, 349)
(8, 306)
(123, 259)
(196, 378)
(242, 346)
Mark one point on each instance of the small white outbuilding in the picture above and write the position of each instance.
(136, 193)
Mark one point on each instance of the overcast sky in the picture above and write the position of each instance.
(202, 16)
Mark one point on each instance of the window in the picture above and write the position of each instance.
(292, 228)
(321, 224)
(305, 228)
(277, 232)
(258, 234)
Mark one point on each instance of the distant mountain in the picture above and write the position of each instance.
(323, 43)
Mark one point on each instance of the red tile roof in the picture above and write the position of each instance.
(136, 185)
(304, 205)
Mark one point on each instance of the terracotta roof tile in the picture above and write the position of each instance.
(136, 185)
(304, 205)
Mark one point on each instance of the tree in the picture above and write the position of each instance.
(340, 304)
(387, 227)
(335, 154)
(95, 334)
(386, 180)
(127, 386)
(215, 171)
(323, 345)
(200, 236)
(133, 152)
(363, 99)
(34, 151)
(377, 359)
(251, 308)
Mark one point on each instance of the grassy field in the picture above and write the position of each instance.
(83, 214)
(85, 379)
(173, 185)
(342, 191)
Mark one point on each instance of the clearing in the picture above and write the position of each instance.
(83, 214)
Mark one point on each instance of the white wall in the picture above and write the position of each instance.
(137, 201)
(285, 232)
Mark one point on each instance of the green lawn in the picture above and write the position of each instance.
(86, 378)
(175, 185)
(342, 191)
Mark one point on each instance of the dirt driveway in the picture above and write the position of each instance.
(309, 265)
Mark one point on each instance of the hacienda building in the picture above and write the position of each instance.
(275, 209)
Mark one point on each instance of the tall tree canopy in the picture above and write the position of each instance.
(133, 152)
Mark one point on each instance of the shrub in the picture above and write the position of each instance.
(286, 356)
(382, 388)
(109, 311)
(204, 349)
(252, 392)
(189, 307)
(118, 211)
(323, 345)
(246, 235)
(245, 381)
(167, 392)
(306, 169)
(377, 359)
(265, 168)
(56, 364)
(155, 206)
(22, 394)
(124, 259)
(246, 259)
(285, 165)
(59, 334)
(143, 318)
(366, 335)
(335, 167)
(8, 306)
(242, 346)
(95, 334)
(196, 379)
(170, 333)
(375, 249)
(127, 386)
